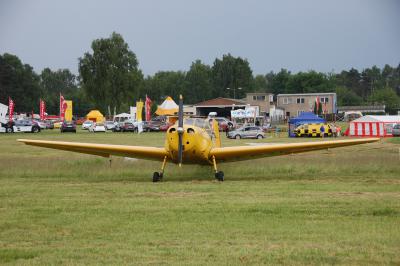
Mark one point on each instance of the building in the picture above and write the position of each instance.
(261, 99)
(222, 106)
(295, 104)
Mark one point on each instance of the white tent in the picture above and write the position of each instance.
(168, 107)
(373, 125)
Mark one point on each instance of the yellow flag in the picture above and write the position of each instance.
(139, 109)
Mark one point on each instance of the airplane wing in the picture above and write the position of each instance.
(238, 153)
(105, 150)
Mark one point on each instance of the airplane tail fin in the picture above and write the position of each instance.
(215, 127)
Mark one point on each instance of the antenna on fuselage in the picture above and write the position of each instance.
(180, 130)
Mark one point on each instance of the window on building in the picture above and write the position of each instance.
(300, 100)
(259, 98)
(324, 99)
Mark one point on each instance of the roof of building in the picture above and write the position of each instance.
(221, 102)
(307, 94)
(259, 93)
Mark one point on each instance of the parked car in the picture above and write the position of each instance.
(165, 126)
(87, 124)
(247, 132)
(125, 127)
(223, 123)
(109, 125)
(97, 127)
(152, 126)
(396, 130)
(41, 124)
(57, 124)
(68, 126)
(7, 127)
(24, 126)
(49, 124)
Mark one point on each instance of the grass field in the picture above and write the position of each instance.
(340, 206)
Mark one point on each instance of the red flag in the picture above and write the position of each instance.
(148, 108)
(10, 109)
(42, 111)
(63, 107)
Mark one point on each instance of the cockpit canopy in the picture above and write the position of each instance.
(197, 122)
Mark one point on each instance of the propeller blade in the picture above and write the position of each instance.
(180, 130)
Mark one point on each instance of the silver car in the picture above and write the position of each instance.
(247, 132)
(396, 130)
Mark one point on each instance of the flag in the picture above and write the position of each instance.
(11, 106)
(139, 108)
(147, 108)
(42, 110)
(63, 107)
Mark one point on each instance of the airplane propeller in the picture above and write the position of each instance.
(180, 130)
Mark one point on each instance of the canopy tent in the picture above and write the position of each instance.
(95, 116)
(373, 125)
(303, 118)
(168, 107)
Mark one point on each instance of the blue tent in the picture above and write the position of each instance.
(303, 118)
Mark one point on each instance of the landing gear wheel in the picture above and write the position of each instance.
(219, 176)
(157, 177)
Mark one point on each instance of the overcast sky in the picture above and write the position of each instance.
(170, 35)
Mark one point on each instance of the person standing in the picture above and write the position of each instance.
(334, 130)
(322, 130)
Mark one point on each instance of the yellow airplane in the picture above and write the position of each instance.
(193, 141)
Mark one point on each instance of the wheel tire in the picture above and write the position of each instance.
(237, 137)
(156, 177)
(219, 176)
(9, 130)
(260, 137)
(35, 130)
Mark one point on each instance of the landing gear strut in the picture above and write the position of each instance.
(158, 176)
(219, 175)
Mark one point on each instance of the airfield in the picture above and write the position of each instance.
(338, 206)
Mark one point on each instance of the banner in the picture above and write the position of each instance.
(42, 110)
(147, 108)
(11, 106)
(68, 111)
(247, 113)
(63, 107)
(139, 110)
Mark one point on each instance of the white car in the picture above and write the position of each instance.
(25, 126)
(87, 124)
(97, 127)
(109, 125)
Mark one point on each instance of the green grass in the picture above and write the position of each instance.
(340, 206)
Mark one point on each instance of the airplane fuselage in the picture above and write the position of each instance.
(197, 144)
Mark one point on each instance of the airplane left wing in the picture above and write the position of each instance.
(104, 150)
(238, 153)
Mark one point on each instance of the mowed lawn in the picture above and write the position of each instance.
(339, 206)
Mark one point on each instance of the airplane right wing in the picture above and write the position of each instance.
(104, 150)
(239, 153)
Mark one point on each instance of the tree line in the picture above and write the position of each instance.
(109, 77)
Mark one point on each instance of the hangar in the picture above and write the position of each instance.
(222, 106)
